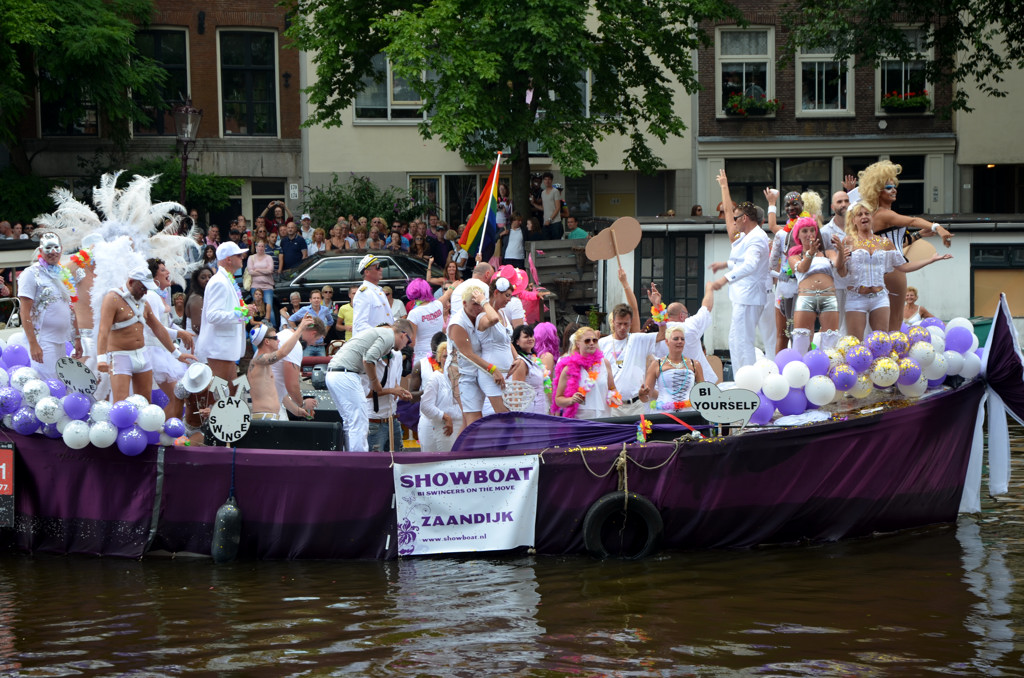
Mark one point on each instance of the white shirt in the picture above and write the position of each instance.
(827, 231)
(370, 308)
(398, 309)
(514, 310)
(386, 404)
(429, 320)
(694, 328)
(51, 311)
(628, 358)
(514, 248)
(748, 268)
(294, 357)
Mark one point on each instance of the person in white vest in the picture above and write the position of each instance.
(370, 306)
(747, 274)
(221, 344)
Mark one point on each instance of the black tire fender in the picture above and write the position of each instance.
(624, 527)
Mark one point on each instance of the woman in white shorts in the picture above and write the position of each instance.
(868, 258)
(495, 333)
(462, 333)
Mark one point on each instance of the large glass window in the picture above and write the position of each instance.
(910, 194)
(905, 79)
(822, 82)
(389, 98)
(167, 48)
(748, 179)
(744, 63)
(803, 174)
(54, 117)
(675, 263)
(248, 83)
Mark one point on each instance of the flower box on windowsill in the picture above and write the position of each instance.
(749, 113)
(905, 110)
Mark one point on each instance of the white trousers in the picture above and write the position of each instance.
(52, 352)
(766, 325)
(349, 396)
(432, 437)
(741, 334)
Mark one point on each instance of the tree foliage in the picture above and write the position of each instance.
(361, 197)
(482, 57)
(86, 52)
(974, 41)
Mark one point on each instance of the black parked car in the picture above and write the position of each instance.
(340, 270)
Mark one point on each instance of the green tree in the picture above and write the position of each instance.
(361, 197)
(84, 53)
(483, 57)
(974, 41)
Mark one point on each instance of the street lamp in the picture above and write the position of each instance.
(186, 124)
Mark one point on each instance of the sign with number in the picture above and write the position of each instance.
(76, 376)
(229, 419)
(6, 485)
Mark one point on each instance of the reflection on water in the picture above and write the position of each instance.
(936, 600)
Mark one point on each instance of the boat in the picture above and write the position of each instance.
(877, 470)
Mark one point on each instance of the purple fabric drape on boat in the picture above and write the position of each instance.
(1004, 371)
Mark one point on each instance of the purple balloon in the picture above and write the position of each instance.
(123, 414)
(57, 388)
(76, 405)
(786, 356)
(761, 416)
(843, 377)
(904, 328)
(10, 400)
(910, 371)
(817, 362)
(175, 427)
(935, 383)
(152, 437)
(50, 431)
(879, 343)
(158, 397)
(132, 440)
(959, 339)
(69, 349)
(980, 352)
(859, 358)
(24, 421)
(16, 356)
(932, 322)
(795, 402)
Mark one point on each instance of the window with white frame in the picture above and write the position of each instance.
(905, 79)
(822, 83)
(169, 48)
(391, 98)
(248, 71)
(744, 63)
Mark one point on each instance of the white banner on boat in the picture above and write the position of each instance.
(481, 504)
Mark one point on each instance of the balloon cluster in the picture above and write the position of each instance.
(913, 359)
(30, 405)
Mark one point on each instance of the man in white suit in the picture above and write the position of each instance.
(221, 341)
(747, 276)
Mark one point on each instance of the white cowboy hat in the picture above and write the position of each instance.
(197, 377)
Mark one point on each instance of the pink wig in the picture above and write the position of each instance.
(801, 224)
(419, 290)
(546, 335)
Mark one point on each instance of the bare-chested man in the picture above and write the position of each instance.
(262, 391)
(121, 343)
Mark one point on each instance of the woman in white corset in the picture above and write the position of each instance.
(670, 379)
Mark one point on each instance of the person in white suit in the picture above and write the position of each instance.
(747, 274)
(221, 342)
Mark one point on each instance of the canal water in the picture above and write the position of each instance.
(939, 600)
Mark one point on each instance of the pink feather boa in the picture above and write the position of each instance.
(580, 363)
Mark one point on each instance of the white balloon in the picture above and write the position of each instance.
(102, 434)
(819, 390)
(923, 353)
(863, 387)
(837, 398)
(8, 421)
(767, 367)
(937, 370)
(100, 411)
(915, 390)
(938, 339)
(3, 344)
(972, 366)
(49, 410)
(18, 338)
(63, 422)
(22, 376)
(151, 418)
(960, 322)
(758, 354)
(34, 391)
(138, 400)
(750, 378)
(166, 439)
(954, 362)
(974, 343)
(775, 387)
(5, 378)
(796, 373)
(77, 434)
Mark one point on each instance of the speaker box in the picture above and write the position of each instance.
(292, 435)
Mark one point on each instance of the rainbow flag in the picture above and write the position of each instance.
(482, 225)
